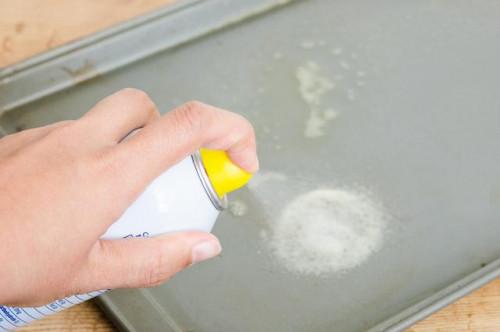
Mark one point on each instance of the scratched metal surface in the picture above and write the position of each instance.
(421, 132)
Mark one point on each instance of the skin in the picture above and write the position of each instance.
(63, 185)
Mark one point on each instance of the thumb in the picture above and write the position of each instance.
(144, 262)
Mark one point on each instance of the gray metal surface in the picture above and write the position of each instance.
(422, 133)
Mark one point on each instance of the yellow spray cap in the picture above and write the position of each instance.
(224, 175)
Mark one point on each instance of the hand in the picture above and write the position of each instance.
(63, 185)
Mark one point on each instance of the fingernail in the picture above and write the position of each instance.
(205, 250)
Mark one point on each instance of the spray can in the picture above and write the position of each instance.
(188, 196)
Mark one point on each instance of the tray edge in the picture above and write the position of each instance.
(20, 73)
(111, 49)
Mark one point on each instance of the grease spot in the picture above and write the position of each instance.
(86, 71)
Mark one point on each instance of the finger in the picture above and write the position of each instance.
(14, 142)
(179, 133)
(139, 262)
(119, 114)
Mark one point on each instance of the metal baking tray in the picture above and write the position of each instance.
(421, 131)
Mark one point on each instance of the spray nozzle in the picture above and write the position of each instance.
(224, 175)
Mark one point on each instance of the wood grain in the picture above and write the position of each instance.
(478, 312)
(29, 27)
(85, 317)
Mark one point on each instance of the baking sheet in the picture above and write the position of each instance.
(421, 134)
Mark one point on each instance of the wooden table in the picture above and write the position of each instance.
(29, 27)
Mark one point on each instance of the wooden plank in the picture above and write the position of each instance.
(478, 312)
(29, 27)
(83, 317)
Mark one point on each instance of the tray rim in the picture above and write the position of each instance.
(50, 62)
(102, 52)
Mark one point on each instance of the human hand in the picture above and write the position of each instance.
(63, 185)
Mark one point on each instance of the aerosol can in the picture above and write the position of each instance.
(187, 197)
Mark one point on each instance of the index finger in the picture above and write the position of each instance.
(181, 132)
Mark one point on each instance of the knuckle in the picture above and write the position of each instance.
(158, 271)
(194, 104)
(134, 93)
(166, 260)
(63, 140)
(191, 115)
(139, 97)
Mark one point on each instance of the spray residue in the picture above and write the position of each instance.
(312, 86)
(238, 208)
(264, 177)
(327, 231)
